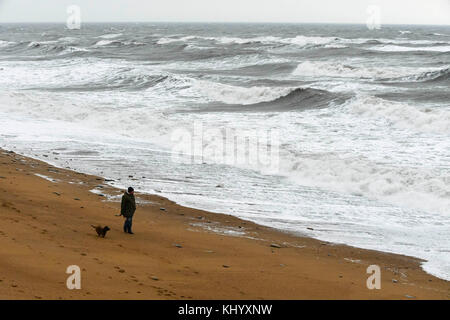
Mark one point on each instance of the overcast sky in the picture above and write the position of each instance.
(344, 11)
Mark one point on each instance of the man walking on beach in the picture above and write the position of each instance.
(128, 207)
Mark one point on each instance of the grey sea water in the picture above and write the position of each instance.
(363, 118)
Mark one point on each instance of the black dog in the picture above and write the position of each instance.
(101, 231)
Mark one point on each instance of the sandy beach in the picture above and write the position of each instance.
(175, 253)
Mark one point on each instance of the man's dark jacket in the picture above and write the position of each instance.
(128, 206)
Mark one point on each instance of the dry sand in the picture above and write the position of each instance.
(179, 253)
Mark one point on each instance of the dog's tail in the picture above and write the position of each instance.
(95, 227)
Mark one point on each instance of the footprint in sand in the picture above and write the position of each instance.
(98, 260)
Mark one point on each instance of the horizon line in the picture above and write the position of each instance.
(223, 22)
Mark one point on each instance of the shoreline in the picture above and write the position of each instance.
(176, 253)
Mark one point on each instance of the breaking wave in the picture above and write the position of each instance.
(339, 70)
(431, 76)
(288, 99)
(4, 43)
(112, 43)
(419, 188)
(395, 48)
(110, 35)
(401, 114)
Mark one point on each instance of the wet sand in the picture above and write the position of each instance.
(175, 253)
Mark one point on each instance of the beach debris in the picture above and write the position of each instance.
(77, 199)
(1, 177)
(57, 193)
(394, 280)
(219, 185)
(162, 209)
(275, 245)
(352, 260)
(225, 266)
(200, 217)
(310, 228)
(409, 297)
(178, 245)
(154, 278)
(209, 251)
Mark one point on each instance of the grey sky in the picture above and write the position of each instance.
(345, 11)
